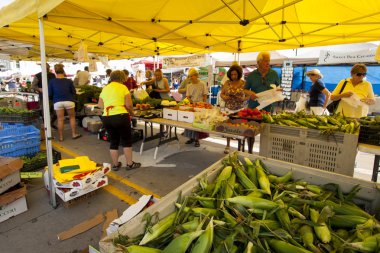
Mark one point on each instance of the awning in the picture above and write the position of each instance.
(135, 28)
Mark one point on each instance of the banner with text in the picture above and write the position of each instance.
(190, 61)
(333, 57)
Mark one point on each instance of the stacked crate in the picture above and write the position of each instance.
(335, 153)
(17, 139)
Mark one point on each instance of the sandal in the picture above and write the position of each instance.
(133, 166)
(77, 136)
(227, 150)
(116, 167)
(190, 141)
(196, 144)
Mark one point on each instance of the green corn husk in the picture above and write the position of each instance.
(204, 242)
(284, 247)
(141, 249)
(321, 230)
(346, 221)
(158, 229)
(182, 242)
(253, 202)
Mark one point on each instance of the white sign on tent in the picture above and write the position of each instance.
(190, 61)
(334, 57)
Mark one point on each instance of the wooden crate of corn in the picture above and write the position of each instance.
(247, 203)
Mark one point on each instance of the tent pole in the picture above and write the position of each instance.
(46, 110)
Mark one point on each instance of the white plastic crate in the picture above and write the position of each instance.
(335, 153)
(368, 196)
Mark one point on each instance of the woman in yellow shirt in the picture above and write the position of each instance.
(354, 85)
(116, 101)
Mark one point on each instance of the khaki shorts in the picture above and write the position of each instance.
(64, 105)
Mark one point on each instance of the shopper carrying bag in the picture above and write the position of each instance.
(334, 104)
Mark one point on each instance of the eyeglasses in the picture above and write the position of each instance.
(312, 74)
(361, 74)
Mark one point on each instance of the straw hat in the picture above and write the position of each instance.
(314, 72)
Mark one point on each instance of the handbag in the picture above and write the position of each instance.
(334, 104)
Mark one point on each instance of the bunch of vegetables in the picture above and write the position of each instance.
(327, 124)
(247, 209)
(370, 121)
(11, 110)
(87, 94)
(248, 113)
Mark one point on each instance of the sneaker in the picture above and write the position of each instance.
(196, 144)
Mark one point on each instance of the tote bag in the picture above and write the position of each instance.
(334, 104)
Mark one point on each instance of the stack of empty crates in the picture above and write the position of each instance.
(17, 139)
(335, 153)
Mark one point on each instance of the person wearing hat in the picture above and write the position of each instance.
(318, 94)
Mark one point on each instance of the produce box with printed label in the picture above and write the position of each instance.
(239, 127)
(9, 172)
(13, 202)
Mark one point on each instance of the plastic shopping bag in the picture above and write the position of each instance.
(301, 104)
(140, 94)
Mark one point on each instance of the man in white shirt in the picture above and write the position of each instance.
(84, 77)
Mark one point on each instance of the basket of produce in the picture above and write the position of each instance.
(370, 130)
(14, 115)
(38, 161)
(248, 114)
(251, 204)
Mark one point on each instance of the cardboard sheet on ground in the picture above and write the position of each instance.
(80, 228)
(268, 97)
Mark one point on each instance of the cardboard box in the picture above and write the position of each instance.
(239, 127)
(90, 110)
(94, 126)
(170, 114)
(9, 172)
(86, 181)
(186, 116)
(12, 209)
(67, 194)
(12, 203)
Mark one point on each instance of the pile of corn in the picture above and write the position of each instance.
(327, 124)
(246, 209)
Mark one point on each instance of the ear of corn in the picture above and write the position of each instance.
(307, 236)
(284, 247)
(191, 225)
(182, 242)
(321, 230)
(158, 229)
(251, 171)
(141, 249)
(204, 242)
(269, 225)
(295, 213)
(198, 210)
(283, 216)
(223, 176)
(346, 221)
(253, 202)
(370, 244)
(244, 180)
(262, 177)
(229, 191)
(250, 248)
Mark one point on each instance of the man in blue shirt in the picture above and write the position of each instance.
(260, 79)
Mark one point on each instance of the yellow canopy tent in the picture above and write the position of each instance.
(133, 27)
(163, 26)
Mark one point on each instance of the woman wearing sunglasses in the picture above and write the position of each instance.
(354, 85)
